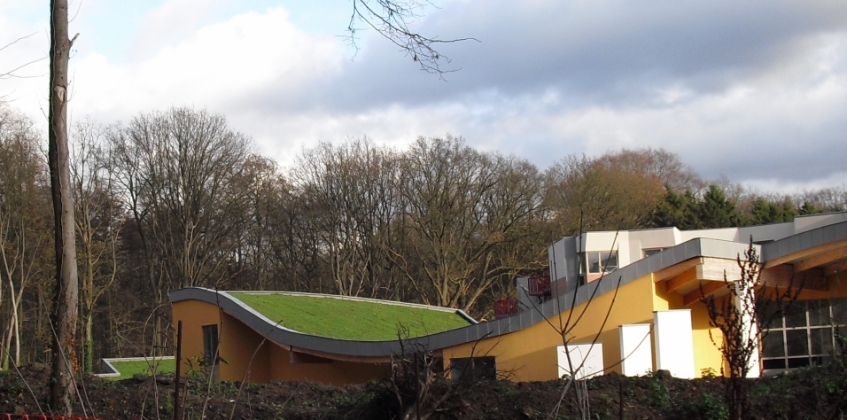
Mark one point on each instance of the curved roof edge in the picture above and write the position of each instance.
(297, 339)
(695, 248)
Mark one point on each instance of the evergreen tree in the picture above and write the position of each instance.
(716, 211)
(677, 210)
(809, 208)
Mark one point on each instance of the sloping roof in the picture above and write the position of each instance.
(317, 322)
(347, 318)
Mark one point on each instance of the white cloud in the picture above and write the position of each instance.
(174, 19)
(216, 67)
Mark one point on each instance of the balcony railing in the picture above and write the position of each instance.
(539, 286)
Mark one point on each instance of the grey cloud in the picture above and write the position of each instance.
(597, 52)
(781, 152)
(603, 54)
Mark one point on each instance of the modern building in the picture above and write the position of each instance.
(626, 302)
(276, 336)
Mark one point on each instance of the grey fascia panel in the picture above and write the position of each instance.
(482, 331)
(439, 341)
(511, 325)
(602, 286)
(829, 235)
(816, 236)
(713, 248)
(809, 239)
(641, 269)
(840, 231)
(656, 262)
(806, 239)
(679, 253)
(547, 311)
(495, 327)
(529, 317)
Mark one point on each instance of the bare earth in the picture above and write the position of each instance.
(812, 393)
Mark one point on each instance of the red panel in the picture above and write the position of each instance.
(539, 286)
(506, 307)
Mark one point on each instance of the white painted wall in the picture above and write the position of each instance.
(588, 356)
(804, 223)
(726, 234)
(674, 342)
(604, 241)
(743, 303)
(636, 349)
(556, 254)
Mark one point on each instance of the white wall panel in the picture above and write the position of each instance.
(589, 357)
(674, 342)
(636, 349)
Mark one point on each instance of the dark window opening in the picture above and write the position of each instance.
(473, 368)
(210, 345)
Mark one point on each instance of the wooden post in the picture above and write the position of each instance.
(620, 398)
(178, 360)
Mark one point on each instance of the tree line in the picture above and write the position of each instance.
(177, 198)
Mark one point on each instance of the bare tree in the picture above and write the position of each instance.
(296, 247)
(391, 19)
(351, 192)
(462, 209)
(98, 225)
(179, 171)
(24, 225)
(14, 72)
(254, 256)
(65, 302)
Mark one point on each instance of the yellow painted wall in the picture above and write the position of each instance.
(706, 354)
(239, 343)
(194, 315)
(530, 354)
(334, 372)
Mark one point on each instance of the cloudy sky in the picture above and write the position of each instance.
(755, 91)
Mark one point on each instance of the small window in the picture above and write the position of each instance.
(473, 368)
(210, 345)
(601, 262)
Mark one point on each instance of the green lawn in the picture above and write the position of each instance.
(130, 368)
(350, 319)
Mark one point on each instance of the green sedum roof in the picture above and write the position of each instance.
(130, 368)
(351, 319)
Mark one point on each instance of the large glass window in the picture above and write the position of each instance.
(805, 333)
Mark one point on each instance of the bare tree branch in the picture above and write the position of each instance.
(391, 18)
(10, 74)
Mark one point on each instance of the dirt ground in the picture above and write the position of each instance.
(812, 393)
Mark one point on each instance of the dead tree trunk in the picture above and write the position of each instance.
(65, 301)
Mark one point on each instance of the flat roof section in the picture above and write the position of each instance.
(346, 318)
